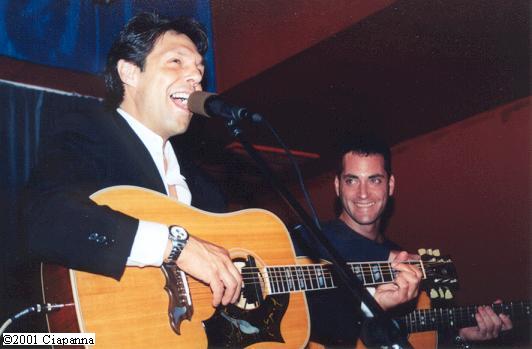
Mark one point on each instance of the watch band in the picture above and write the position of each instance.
(179, 238)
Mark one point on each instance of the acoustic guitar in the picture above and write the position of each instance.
(134, 312)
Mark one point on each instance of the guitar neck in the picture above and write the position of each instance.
(376, 273)
(454, 318)
(310, 277)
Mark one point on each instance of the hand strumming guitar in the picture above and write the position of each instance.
(211, 264)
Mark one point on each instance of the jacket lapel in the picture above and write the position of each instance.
(140, 159)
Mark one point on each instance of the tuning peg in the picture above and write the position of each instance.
(429, 252)
(433, 293)
(448, 294)
(422, 251)
(436, 252)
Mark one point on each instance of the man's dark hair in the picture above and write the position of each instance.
(137, 40)
(365, 145)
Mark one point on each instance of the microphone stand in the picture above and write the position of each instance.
(383, 322)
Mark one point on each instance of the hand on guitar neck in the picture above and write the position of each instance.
(489, 325)
(405, 286)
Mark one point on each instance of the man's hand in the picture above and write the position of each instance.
(405, 287)
(489, 325)
(211, 264)
(411, 257)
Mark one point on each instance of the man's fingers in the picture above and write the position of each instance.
(232, 286)
(217, 289)
(238, 279)
(506, 322)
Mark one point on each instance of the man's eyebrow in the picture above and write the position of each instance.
(377, 175)
(184, 51)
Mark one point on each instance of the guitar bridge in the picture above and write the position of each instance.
(180, 304)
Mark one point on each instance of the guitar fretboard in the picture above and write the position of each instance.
(446, 318)
(376, 273)
(310, 277)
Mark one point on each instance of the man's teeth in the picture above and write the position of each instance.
(368, 204)
(182, 97)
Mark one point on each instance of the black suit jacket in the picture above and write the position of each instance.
(86, 152)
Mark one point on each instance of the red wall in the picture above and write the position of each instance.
(466, 189)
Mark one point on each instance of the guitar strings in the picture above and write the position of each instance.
(325, 270)
(306, 278)
(308, 270)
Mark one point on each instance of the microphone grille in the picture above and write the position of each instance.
(196, 102)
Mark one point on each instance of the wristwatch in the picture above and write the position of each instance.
(179, 237)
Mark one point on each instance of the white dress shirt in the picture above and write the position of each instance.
(152, 237)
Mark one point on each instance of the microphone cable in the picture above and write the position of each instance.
(37, 308)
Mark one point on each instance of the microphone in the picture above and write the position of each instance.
(211, 105)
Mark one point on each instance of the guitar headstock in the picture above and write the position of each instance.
(441, 278)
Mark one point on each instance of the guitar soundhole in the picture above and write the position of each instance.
(252, 283)
(255, 318)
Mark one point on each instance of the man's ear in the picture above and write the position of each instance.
(128, 72)
(337, 185)
(391, 185)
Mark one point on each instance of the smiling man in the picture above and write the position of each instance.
(363, 187)
(364, 183)
(152, 68)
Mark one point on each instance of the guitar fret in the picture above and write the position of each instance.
(275, 281)
(331, 280)
(319, 277)
(377, 271)
(301, 278)
(282, 281)
(387, 273)
(366, 271)
(293, 276)
(288, 279)
(359, 272)
(413, 321)
(423, 318)
(432, 318)
(315, 278)
(308, 279)
(373, 271)
(271, 280)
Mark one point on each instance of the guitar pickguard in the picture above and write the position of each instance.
(233, 327)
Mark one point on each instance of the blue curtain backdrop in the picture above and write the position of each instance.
(76, 35)
(25, 115)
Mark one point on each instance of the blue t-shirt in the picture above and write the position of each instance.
(335, 315)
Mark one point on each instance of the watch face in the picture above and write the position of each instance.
(179, 233)
(182, 235)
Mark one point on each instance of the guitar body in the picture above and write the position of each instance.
(133, 313)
